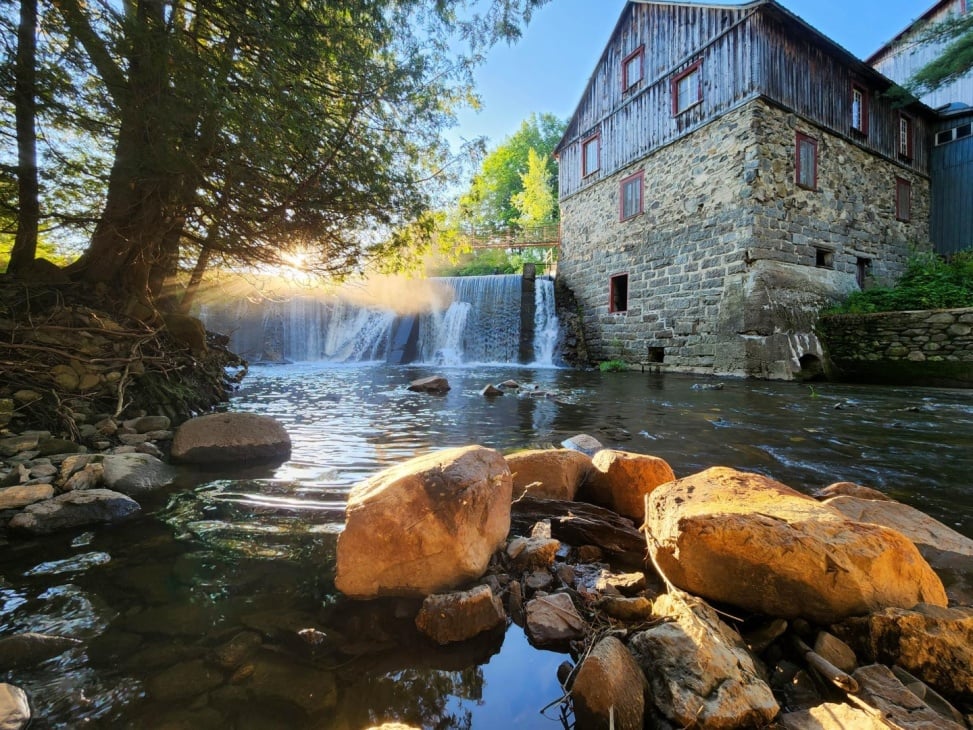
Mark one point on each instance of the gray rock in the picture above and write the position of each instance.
(50, 446)
(15, 444)
(274, 679)
(553, 620)
(584, 443)
(491, 391)
(183, 681)
(75, 509)
(134, 474)
(14, 708)
(450, 617)
(231, 438)
(145, 424)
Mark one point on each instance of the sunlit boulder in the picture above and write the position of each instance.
(427, 525)
(620, 480)
(231, 438)
(747, 540)
(548, 473)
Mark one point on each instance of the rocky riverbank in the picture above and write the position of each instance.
(822, 617)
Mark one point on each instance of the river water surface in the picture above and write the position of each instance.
(223, 561)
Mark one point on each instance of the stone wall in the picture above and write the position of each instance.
(722, 263)
(915, 348)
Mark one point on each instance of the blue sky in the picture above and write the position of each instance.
(546, 71)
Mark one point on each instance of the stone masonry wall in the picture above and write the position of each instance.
(721, 265)
(916, 348)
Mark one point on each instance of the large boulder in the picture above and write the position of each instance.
(609, 689)
(424, 526)
(933, 643)
(548, 473)
(75, 509)
(699, 671)
(620, 480)
(750, 541)
(435, 384)
(231, 438)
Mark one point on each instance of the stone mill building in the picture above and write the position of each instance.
(728, 171)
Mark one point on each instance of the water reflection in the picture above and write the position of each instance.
(217, 609)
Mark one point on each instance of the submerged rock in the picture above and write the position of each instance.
(26, 650)
(231, 438)
(427, 525)
(450, 617)
(750, 541)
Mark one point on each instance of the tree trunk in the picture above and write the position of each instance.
(25, 101)
(192, 289)
(128, 240)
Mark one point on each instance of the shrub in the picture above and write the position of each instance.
(929, 282)
(612, 366)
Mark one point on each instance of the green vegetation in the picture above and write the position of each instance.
(956, 59)
(612, 366)
(493, 261)
(929, 282)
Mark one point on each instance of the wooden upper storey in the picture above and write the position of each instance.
(701, 60)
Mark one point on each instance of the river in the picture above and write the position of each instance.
(222, 558)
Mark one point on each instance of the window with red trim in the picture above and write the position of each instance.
(806, 158)
(618, 293)
(905, 137)
(633, 68)
(903, 199)
(687, 88)
(591, 155)
(859, 109)
(630, 196)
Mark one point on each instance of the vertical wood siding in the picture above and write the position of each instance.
(903, 57)
(951, 214)
(804, 77)
(745, 53)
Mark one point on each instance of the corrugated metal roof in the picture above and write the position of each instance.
(925, 16)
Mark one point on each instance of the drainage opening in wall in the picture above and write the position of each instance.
(811, 368)
(657, 354)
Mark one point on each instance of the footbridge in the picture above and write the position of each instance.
(546, 236)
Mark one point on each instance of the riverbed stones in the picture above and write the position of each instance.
(698, 668)
(14, 707)
(75, 509)
(609, 689)
(933, 643)
(231, 438)
(620, 480)
(548, 473)
(898, 706)
(434, 384)
(450, 617)
(752, 542)
(424, 526)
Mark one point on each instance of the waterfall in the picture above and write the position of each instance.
(480, 325)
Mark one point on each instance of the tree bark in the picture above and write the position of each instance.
(25, 101)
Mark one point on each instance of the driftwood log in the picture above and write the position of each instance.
(580, 523)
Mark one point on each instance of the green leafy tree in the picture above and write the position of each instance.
(536, 203)
(955, 60)
(240, 132)
(490, 198)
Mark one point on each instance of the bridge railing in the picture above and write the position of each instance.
(548, 235)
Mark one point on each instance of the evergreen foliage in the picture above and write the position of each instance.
(955, 33)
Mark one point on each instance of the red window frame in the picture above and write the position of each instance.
(905, 137)
(638, 53)
(640, 177)
(674, 88)
(801, 138)
(903, 200)
(594, 139)
(862, 126)
(612, 280)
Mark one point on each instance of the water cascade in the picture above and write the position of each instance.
(490, 319)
